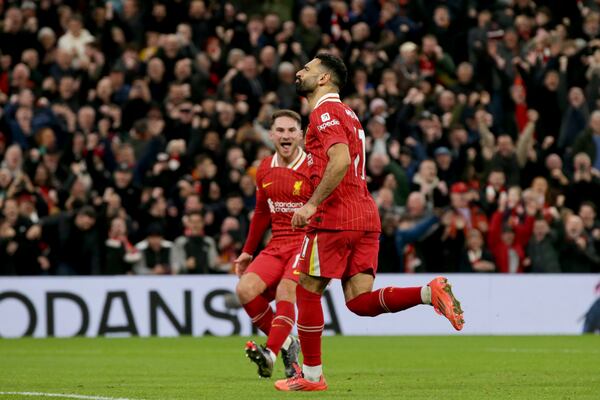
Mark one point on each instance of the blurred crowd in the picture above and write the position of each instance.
(130, 131)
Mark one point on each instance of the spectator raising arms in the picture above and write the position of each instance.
(128, 109)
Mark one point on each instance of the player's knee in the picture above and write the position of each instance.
(286, 291)
(246, 291)
(312, 283)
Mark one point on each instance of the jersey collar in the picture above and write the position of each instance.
(333, 97)
(295, 164)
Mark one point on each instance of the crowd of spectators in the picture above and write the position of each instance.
(130, 131)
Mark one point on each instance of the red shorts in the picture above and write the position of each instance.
(277, 261)
(339, 254)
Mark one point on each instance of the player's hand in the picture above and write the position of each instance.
(241, 263)
(302, 215)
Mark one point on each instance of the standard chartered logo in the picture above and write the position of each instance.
(271, 206)
(283, 206)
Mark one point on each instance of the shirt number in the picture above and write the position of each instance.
(359, 170)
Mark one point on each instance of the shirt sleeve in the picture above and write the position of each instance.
(260, 221)
(329, 122)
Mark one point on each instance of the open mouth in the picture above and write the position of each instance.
(286, 145)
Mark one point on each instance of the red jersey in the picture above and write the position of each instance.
(350, 206)
(280, 190)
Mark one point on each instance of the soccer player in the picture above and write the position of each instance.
(283, 185)
(342, 241)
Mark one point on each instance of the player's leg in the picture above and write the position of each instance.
(363, 301)
(259, 276)
(279, 338)
(358, 284)
(260, 280)
(285, 312)
(283, 322)
(285, 316)
(321, 259)
(310, 328)
(310, 323)
(249, 290)
(368, 303)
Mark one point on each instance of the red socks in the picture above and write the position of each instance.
(310, 314)
(261, 313)
(285, 315)
(384, 300)
(310, 325)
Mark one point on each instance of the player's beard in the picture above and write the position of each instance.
(305, 87)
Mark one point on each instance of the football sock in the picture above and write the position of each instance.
(286, 345)
(272, 355)
(312, 374)
(310, 328)
(261, 313)
(385, 300)
(426, 294)
(282, 325)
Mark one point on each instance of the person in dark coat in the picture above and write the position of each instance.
(542, 249)
(119, 254)
(589, 141)
(155, 252)
(577, 253)
(73, 240)
(476, 257)
(18, 255)
(194, 252)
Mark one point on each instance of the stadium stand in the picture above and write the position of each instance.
(123, 121)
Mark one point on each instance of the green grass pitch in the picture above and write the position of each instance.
(453, 367)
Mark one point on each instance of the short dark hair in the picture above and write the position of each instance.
(286, 113)
(77, 17)
(234, 195)
(339, 72)
(589, 204)
(198, 213)
(88, 211)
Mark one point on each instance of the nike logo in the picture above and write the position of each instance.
(265, 185)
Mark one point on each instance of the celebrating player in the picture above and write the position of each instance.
(342, 241)
(283, 186)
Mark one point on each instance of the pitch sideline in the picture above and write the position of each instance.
(63, 395)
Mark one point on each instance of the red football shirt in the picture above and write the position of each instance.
(350, 206)
(280, 190)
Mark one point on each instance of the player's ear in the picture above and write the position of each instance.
(325, 78)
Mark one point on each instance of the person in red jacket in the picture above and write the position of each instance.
(508, 236)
